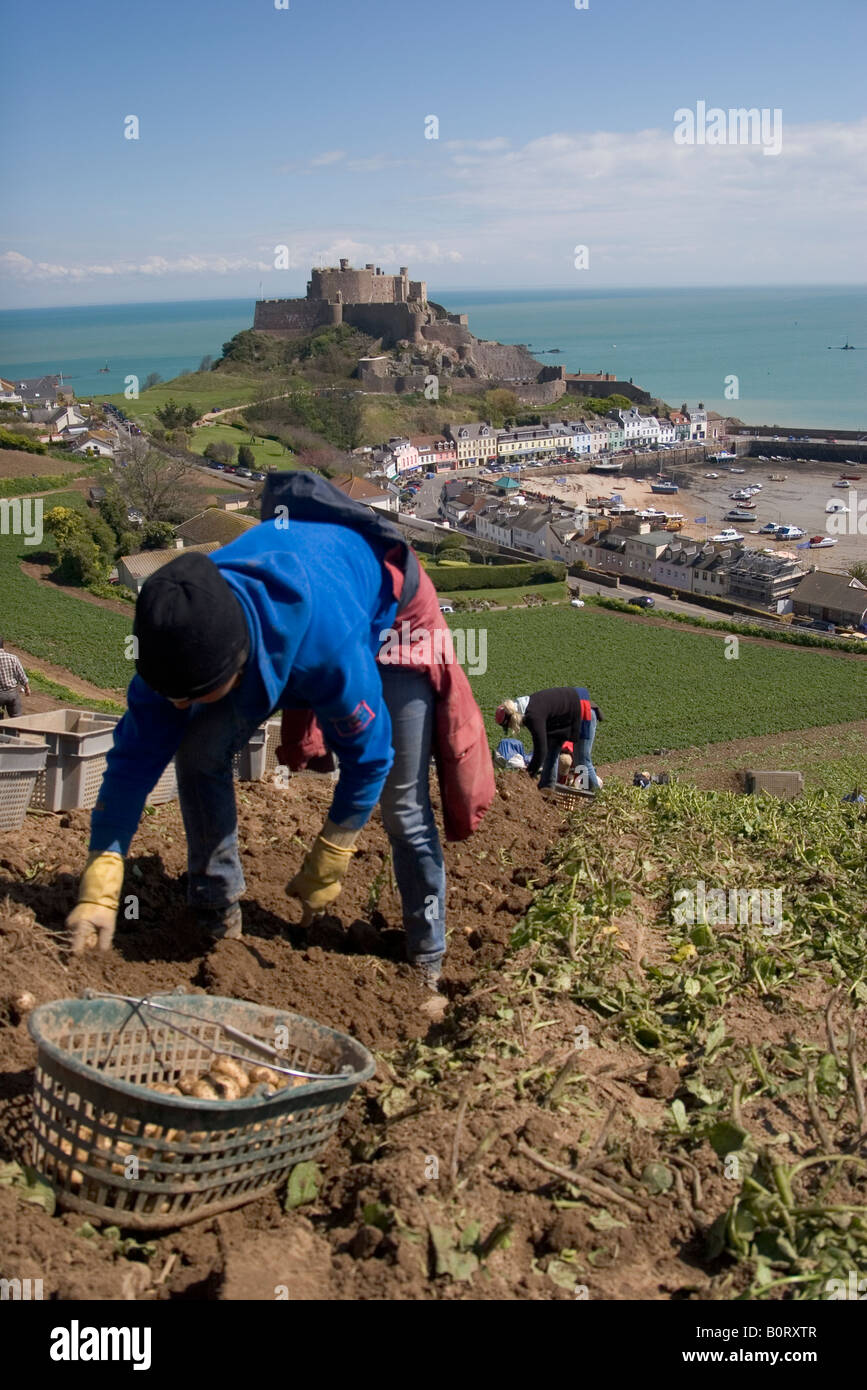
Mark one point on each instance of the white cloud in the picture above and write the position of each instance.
(643, 204)
(329, 157)
(15, 266)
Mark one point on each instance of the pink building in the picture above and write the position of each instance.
(435, 452)
(405, 454)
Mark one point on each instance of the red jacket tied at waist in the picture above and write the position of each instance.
(422, 641)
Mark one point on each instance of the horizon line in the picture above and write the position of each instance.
(459, 289)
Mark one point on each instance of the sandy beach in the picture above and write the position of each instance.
(799, 501)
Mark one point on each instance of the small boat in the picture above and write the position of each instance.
(835, 506)
(821, 542)
(737, 470)
(728, 535)
(742, 495)
(777, 477)
(842, 482)
(789, 533)
(769, 529)
(104, 369)
(711, 475)
(762, 458)
(736, 514)
(851, 477)
(664, 487)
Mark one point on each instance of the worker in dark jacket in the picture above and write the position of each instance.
(553, 717)
(291, 614)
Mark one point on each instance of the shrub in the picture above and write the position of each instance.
(9, 440)
(81, 561)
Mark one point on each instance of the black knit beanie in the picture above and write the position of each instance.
(191, 630)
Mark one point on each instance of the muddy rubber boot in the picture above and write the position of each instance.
(222, 923)
(435, 1004)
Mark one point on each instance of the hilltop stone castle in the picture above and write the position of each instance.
(392, 308)
(418, 337)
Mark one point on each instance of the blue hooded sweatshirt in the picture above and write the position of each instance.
(316, 597)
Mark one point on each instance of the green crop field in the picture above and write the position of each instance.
(661, 688)
(86, 639)
(268, 453)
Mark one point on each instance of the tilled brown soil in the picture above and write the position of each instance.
(449, 1133)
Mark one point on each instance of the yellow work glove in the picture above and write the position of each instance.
(320, 878)
(91, 921)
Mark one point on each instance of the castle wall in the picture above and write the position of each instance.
(390, 322)
(358, 286)
(293, 317)
(446, 334)
(602, 387)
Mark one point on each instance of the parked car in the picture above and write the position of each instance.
(576, 603)
(645, 601)
(446, 608)
(819, 625)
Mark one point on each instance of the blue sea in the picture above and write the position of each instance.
(777, 349)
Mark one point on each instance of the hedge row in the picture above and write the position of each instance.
(450, 578)
(793, 636)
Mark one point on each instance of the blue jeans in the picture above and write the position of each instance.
(407, 814)
(206, 792)
(207, 796)
(581, 756)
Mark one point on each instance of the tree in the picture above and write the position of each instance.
(246, 457)
(113, 511)
(153, 483)
(486, 549)
(207, 363)
(157, 535)
(152, 379)
(500, 406)
(85, 545)
(63, 523)
(171, 415)
(82, 562)
(858, 571)
(219, 451)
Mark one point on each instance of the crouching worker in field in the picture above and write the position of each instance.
(553, 718)
(291, 615)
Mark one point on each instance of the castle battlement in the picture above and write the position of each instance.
(390, 307)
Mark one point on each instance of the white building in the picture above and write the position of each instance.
(667, 431)
(698, 422)
(639, 430)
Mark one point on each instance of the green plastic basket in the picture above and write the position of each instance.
(115, 1150)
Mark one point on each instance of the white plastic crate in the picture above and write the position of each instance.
(21, 762)
(249, 764)
(77, 743)
(166, 788)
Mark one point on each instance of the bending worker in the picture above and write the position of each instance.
(291, 615)
(553, 717)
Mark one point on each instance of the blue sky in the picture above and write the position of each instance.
(306, 127)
